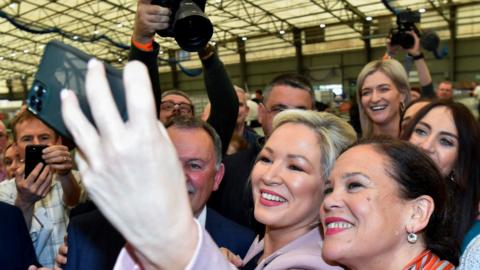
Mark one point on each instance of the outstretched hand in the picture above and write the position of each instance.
(131, 170)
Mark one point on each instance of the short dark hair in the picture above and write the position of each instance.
(416, 175)
(185, 122)
(290, 79)
(466, 188)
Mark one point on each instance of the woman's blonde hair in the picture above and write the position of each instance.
(334, 133)
(393, 70)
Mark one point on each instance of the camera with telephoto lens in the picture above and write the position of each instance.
(405, 22)
(188, 24)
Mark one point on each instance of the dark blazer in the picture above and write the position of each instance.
(16, 248)
(93, 243)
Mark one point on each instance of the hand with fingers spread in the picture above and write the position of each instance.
(131, 169)
(149, 18)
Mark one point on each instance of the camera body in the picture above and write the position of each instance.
(188, 24)
(405, 22)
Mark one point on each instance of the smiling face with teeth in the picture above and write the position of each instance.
(381, 101)
(363, 216)
(287, 179)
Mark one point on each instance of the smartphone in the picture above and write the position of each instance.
(33, 156)
(64, 67)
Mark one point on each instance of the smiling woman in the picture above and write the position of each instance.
(383, 92)
(287, 182)
(448, 133)
(378, 213)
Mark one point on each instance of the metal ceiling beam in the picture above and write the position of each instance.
(250, 20)
(349, 11)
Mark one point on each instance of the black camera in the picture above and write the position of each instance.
(405, 22)
(188, 24)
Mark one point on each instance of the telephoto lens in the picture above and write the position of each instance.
(188, 24)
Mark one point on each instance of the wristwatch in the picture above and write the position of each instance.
(416, 57)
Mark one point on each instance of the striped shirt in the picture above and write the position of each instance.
(428, 261)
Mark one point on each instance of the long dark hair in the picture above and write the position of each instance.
(416, 175)
(465, 188)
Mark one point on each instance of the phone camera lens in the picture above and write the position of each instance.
(32, 100)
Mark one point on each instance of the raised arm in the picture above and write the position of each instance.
(149, 18)
(222, 96)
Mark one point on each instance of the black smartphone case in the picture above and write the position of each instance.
(64, 67)
(33, 156)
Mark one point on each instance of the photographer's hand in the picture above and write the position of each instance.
(416, 49)
(149, 18)
(391, 50)
(424, 76)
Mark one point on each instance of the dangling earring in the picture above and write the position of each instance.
(412, 238)
(452, 176)
(402, 106)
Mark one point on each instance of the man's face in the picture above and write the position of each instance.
(33, 131)
(242, 108)
(282, 97)
(198, 160)
(445, 91)
(173, 105)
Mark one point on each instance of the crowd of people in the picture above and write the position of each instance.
(171, 190)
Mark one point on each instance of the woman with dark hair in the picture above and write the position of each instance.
(410, 111)
(448, 133)
(385, 207)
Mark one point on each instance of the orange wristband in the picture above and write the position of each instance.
(147, 47)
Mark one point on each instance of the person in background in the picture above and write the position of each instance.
(258, 96)
(46, 195)
(445, 90)
(3, 144)
(383, 92)
(448, 132)
(411, 110)
(224, 104)
(241, 130)
(11, 160)
(93, 243)
(386, 208)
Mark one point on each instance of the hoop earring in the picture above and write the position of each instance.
(412, 238)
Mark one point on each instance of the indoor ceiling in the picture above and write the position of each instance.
(103, 27)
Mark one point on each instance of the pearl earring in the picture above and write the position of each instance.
(412, 238)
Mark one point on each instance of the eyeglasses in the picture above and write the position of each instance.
(169, 106)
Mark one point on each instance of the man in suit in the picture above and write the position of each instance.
(94, 244)
(16, 248)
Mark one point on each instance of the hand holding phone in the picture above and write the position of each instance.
(33, 156)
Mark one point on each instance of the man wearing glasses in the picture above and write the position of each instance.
(175, 102)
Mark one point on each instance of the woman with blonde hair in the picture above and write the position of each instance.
(383, 92)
